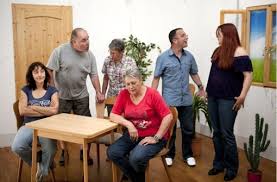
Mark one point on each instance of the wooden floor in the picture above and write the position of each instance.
(180, 172)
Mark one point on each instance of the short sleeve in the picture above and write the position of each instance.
(159, 67)
(159, 104)
(131, 65)
(194, 68)
(93, 70)
(242, 64)
(54, 60)
(104, 68)
(119, 105)
(26, 89)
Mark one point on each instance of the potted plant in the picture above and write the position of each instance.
(139, 51)
(254, 148)
(199, 105)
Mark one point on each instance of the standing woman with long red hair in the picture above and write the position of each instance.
(229, 81)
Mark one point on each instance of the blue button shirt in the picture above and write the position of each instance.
(175, 76)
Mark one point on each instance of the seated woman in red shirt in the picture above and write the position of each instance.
(147, 118)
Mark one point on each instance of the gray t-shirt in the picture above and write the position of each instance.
(71, 71)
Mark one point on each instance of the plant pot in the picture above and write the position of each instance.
(196, 146)
(254, 176)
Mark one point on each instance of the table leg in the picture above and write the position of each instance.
(34, 156)
(66, 161)
(85, 160)
(114, 168)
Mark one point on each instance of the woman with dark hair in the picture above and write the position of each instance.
(37, 100)
(229, 81)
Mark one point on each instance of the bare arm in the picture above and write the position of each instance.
(105, 84)
(155, 82)
(96, 84)
(128, 124)
(52, 109)
(24, 109)
(160, 133)
(245, 87)
(164, 125)
(197, 81)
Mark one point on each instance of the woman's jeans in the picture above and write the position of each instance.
(131, 157)
(22, 146)
(223, 119)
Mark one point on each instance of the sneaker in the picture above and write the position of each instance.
(168, 161)
(39, 176)
(191, 161)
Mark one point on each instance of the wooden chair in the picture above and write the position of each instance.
(164, 151)
(107, 139)
(19, 123)
(192, 89)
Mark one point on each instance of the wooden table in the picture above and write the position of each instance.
(70, 128)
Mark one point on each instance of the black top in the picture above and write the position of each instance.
(227, 84)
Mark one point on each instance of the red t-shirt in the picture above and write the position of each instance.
(147, 115)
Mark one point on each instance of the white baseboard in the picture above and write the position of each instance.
(270, 153)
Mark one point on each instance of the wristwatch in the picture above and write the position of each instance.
(200, 86)
(156, 138)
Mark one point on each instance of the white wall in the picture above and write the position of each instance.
(150, 21)
(259, 100)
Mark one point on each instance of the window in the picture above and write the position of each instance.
(259, 40)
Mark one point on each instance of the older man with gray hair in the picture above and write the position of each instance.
(70, 64)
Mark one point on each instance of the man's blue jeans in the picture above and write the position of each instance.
(22, 146)
(185, 114)
(131, 157)
(223, 119)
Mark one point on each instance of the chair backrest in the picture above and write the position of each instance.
(110, 100)
(19, 118)
(100, 107)
(174, 113)
(191, 88)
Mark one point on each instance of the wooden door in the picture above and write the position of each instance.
(37, 30)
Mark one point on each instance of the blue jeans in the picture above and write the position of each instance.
(22, 146)
(223, 119)
(131, 157)
(185, 114)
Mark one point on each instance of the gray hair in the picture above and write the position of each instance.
(74, 33)
(117, 44)
(133, 73)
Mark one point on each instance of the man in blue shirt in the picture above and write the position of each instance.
(174, 66)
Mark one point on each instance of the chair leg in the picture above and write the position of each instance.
(52, 174)
(66, 161)
(19, 169)
(98, 153)
(147, 173)
(166, 169)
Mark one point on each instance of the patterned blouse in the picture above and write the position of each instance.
(116, 73)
